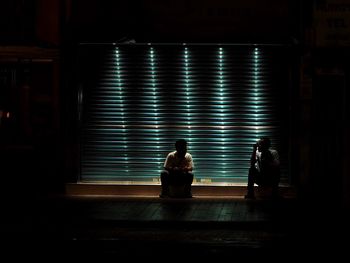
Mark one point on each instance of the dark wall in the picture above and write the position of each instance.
(29, 128)
(330, 115)
(185, 20)
(17, 21)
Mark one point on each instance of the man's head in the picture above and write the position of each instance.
(264, 144)
(181, 147)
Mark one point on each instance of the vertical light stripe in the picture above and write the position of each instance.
(155, 105)
(120, 101)
(256, 58)
(188, 91)
(221, 94)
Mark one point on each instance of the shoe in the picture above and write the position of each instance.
(249, 196)
(277, 197)
(188, 195)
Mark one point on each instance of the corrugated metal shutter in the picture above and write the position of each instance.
(139, 99)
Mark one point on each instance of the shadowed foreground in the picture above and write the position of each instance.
(200, 227)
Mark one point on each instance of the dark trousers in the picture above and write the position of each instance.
(176, 178)
(270, 179)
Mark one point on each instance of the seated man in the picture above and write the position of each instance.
(178, 168)
(264, 168)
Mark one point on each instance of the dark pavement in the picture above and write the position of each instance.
(151, 227)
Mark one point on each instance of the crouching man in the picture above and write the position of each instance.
(178, 167)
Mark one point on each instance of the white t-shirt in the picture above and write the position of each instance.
(274, 162)
(173, 160)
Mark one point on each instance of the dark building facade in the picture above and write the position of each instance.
(41, 40)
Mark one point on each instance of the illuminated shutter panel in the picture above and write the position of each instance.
(139, 99)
